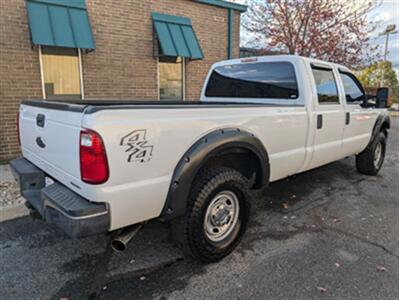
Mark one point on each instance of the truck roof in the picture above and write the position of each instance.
(287, 57)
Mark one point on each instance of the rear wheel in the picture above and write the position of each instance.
(217, 214)
(370, 161)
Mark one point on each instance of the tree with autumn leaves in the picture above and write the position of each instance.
(380, 74)
(330, 30)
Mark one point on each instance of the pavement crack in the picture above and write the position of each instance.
(361, 239)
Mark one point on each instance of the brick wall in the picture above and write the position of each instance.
(121, 67)
(19, 71)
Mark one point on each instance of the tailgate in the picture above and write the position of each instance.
(50, 140)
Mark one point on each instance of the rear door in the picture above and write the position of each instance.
(358, 120)
(329, 116)
(50, 139)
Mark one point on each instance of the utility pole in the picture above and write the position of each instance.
(389, 30)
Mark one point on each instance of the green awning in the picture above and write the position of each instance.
(176, 36)
(61, 23)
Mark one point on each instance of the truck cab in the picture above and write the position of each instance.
(339, 120)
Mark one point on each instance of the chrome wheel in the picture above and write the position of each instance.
(377, 155)
(221, 216)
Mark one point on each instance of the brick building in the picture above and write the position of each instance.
(105, 49)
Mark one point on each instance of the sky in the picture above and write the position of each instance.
(385, 14)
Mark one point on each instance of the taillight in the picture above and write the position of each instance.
(93, 159)
(18, 135)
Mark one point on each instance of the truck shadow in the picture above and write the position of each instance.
(296, 192)
(293, 205)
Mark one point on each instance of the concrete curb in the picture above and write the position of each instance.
(13, 212)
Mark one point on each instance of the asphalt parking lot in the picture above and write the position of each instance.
(330, 233)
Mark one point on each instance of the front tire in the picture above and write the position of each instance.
(370, 161)
(217, 214)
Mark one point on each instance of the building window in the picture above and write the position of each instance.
(171, 78)
(61, 73)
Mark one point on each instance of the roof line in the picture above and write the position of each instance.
(225, 4)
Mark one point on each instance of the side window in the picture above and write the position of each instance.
(353, 90)
(272, 80)
(326, 85)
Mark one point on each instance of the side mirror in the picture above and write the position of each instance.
(382, 98)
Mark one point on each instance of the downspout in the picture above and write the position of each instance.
(230, 33)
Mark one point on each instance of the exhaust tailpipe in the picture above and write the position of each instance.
(120, 243)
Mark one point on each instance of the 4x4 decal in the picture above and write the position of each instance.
(137, 146)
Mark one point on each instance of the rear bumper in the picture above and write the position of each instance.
(59, 205)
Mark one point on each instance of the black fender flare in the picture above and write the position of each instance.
(379, 123)
(197, 156)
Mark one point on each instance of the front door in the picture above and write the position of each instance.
(329, 118)
(359, 121)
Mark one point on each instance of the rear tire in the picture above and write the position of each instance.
(217, 215)
(370, 161)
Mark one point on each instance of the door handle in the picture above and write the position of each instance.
(40, 119)
(348, 118)
(319, 121)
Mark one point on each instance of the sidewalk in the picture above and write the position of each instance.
(11, 203)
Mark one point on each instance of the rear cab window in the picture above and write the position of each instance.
(260, 80)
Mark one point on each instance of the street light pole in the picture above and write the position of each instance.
(389, 30)
(386, 46)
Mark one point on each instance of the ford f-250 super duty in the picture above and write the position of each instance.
(97, 166)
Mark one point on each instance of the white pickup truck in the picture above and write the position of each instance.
(97, 166)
